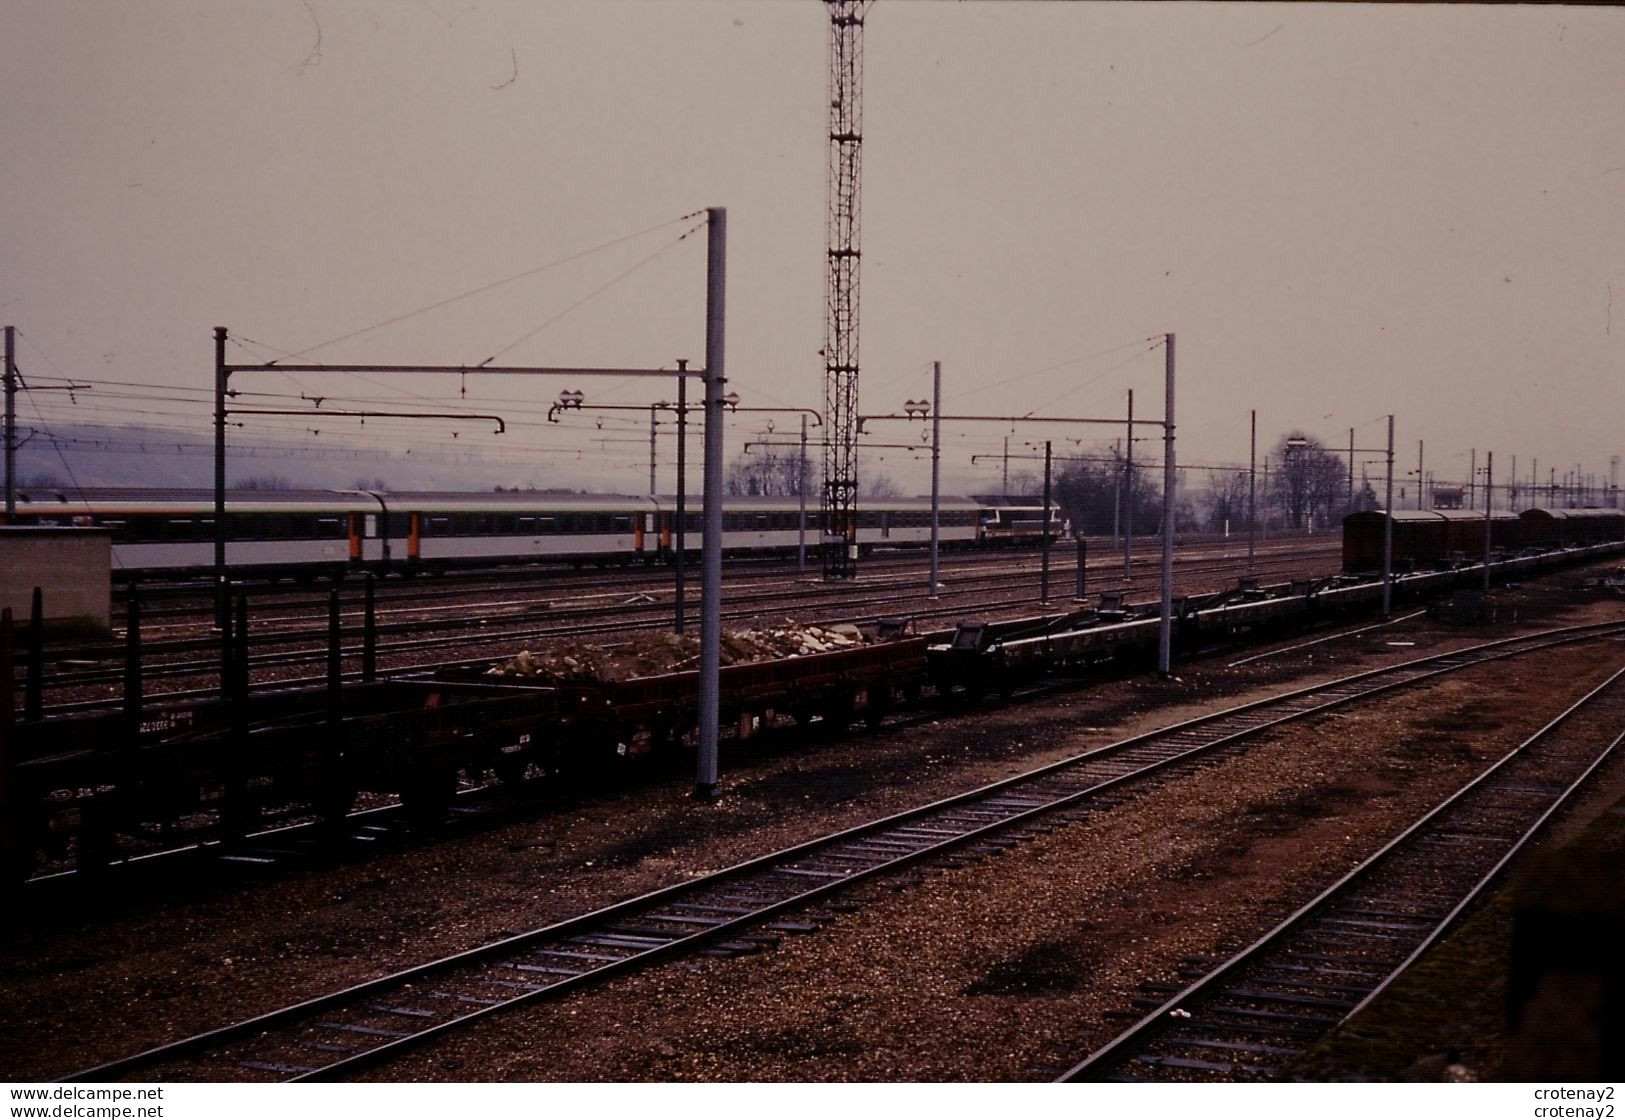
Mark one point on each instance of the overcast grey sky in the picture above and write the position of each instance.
(1343, 211)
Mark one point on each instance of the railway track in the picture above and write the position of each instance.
(742, 908)
(299, 839)
(504, 625)
(1248, 1016)
(195, 600)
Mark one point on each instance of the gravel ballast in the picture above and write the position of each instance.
(1002, 970)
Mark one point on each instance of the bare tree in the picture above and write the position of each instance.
(768, 472)
(879, 486)
(1310, 483)
(1096, 492)
(263, 482)
(1226, 500)
(1025, 482)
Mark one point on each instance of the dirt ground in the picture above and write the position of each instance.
(1007, 969)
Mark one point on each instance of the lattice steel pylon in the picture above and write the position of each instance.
(840, 521)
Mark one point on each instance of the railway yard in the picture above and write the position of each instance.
(506, 655)
(474, 615)
(964, 887)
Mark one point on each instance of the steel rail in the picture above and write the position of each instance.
(296, 831)
(752, 590)
(1172, 1014)
(489, 635)
(605, 945)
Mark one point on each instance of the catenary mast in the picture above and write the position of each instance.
(840, 537)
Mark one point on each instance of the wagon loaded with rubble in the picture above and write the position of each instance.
(643, 696)
(81, 789)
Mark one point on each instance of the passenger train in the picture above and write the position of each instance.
(171, 532)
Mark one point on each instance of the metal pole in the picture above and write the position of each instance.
(1419, 475)
(369, 632)
(1004, 485)
(1128, 491)
(801, 489)
(335, 649)
(11, 424)
(227, 650)
(132, 666)
(12, 847)
(1349, 508)
(936, 469)
(682, 507)
(235, 814)
(1083, 560)
(652, 423)
(1252, 489)
(1388, 529)
(1264, 529)
(1117, 493)
(34, 671)
(1165, 640)
(1489, 465)
(1043, 579)
(1472, 479)
(222, 603)
(705, 781)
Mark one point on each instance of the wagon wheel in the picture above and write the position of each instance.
(839, 711)
(589, 752)
(881, 703)
(548, 755)
(333, 799)
(510, 766)
(17, 848)
(96, 845)
(427, 794)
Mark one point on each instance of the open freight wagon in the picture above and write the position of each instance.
(81, 790)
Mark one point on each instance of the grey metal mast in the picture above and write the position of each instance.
(11, 424)
(840, 529)
(705, 781)
(936, 470)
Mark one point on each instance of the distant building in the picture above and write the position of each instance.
(1448, 497)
